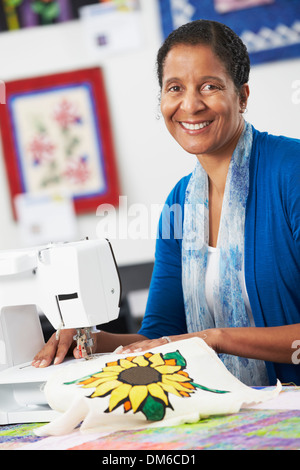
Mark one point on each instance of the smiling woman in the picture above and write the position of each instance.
(233, 277)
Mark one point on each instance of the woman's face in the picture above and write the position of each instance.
(199, 102)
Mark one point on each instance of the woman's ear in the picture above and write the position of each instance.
(244, 95)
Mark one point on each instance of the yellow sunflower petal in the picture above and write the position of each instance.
(141, 361)
(177, 385)
(107, 373)
(118, 395)
(169, 388)
(177, 377)
(105, 388)
(126, 364)
(117, 369)
(156, 360)
(137, 395)
(156, 391)
(94, 383)
(168, 369)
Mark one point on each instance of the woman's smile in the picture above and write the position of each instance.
(195, 126)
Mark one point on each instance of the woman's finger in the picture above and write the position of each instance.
(142, 345)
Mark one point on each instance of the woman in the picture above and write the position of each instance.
(227, 256)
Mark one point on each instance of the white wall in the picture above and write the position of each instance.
(274, 103)
(149, 162)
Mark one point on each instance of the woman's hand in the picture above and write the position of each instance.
(143, 345)
(56, 349)
(208, 336)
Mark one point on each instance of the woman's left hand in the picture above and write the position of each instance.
(153, 343)
(143, 345)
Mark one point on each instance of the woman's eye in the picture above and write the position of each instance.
(174, 88)
(210, 87)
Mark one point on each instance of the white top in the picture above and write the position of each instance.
(212, 272)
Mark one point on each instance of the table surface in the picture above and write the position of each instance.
(271, 426)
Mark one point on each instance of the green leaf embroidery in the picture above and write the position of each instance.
(153, 409)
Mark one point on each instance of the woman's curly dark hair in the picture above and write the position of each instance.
(224, 42)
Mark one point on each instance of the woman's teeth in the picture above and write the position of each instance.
(195, 127)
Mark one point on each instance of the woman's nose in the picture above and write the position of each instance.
(192, 102)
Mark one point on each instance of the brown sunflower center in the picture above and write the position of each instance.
(140, 376)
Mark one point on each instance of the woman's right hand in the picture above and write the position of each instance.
(56, 350)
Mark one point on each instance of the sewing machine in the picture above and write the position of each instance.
(75, 285)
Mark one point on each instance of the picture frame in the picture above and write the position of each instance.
(56, 135)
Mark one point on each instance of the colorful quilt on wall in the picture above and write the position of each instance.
(269, 28)
(16, 14)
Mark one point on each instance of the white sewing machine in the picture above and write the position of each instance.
(75, 285)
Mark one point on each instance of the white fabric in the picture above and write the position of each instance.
(179, 382)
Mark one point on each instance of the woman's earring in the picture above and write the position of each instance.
(243, 108)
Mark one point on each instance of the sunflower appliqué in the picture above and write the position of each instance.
(143, 383)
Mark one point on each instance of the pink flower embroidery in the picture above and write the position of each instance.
(41, 149)
(66, 113)
(77, 171)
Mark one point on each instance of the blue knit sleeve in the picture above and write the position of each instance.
(165, 313)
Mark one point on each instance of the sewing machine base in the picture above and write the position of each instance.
(24, 414)
(22, 399)
(13, 412)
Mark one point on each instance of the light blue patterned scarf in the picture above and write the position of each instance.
(229, 307)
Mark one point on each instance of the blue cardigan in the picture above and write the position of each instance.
(272, 249)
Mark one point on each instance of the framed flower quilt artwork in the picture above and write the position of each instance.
(57, 136)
